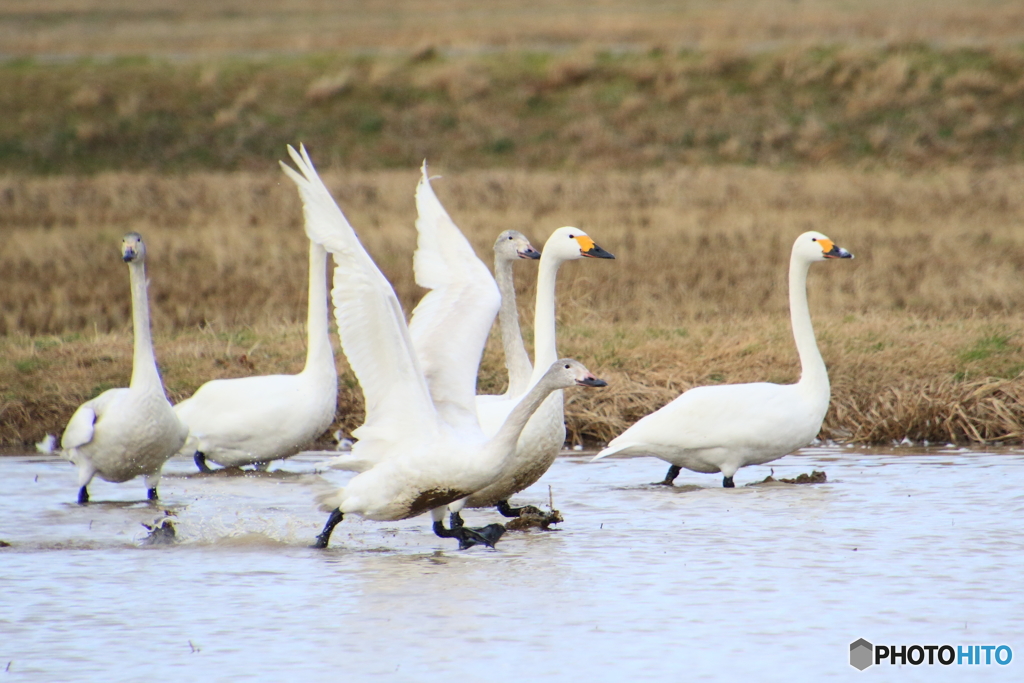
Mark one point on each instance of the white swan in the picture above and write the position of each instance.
(723, 428)
(544, 434)
(123, 433)
(420, 448)
(253, 420)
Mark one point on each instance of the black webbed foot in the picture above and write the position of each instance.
(83, 496)
(670, 476)
(507, 510)
(727, 483)
(324, 537)
(200, 460)
(468, 537)
(151, 494)
(455, 520)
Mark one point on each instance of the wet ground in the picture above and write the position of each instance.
(640, 582)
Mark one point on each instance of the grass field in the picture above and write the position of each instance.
(694, 140)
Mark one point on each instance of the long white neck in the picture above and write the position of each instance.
(319, 355)
(517, 361)
(503, 443)
(812, 368)
(145, 374)
(544, 351)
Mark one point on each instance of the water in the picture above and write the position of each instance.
(641, 582)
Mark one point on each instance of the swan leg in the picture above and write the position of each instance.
(85, 474)
(200, 460)
(260, 466)
(670, 476)
(487, 535)
(728, 483)
(507, 510)
(455, 520)
(151, 483)
(325, 536)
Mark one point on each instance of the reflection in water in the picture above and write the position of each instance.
(685, 583)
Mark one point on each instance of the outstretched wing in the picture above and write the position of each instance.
(371, 324)
(450, 325)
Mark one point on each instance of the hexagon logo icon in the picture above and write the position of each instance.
(862, 654)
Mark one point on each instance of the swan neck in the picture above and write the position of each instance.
(144, 371)
(544, 350)
(517, 361)
(508, 435)
(319, 355)
(812, 367)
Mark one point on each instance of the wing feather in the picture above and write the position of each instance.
(371, 324)
(450, 325)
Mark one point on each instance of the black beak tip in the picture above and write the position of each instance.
(598, 252)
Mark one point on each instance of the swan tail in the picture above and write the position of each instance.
(48, 445)
(612, 451)
(330, 500)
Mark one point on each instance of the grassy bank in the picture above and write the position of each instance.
(906, 105)
(921, 331)
(893, 377)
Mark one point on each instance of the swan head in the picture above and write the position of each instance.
(567, 372)
(813, 246)
(133, 249)
(512, 245)
(569, 243)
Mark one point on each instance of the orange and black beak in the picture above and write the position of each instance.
(831, 250)
(590, 248)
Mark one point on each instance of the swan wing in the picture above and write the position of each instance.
(82, 425)
(450, 325)
(371, 324)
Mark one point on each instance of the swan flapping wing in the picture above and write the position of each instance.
(371, 324)
(450, 325)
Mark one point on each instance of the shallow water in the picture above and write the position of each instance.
(691, 583)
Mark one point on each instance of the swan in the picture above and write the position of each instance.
(253, 420)
(722, 428)
(544, 434)
(420, 448)
(123, 433)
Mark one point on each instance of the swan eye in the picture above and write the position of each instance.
(566, 367)
(814, 239)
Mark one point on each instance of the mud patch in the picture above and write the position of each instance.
(534, 518)
(815, 477)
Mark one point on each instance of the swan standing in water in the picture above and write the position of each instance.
(253, 420)
(722, 428)
(538, 446)
(123, 433)
(544, 434)
(420, 448)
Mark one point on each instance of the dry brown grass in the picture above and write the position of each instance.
(920, 331)
(127, 27)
